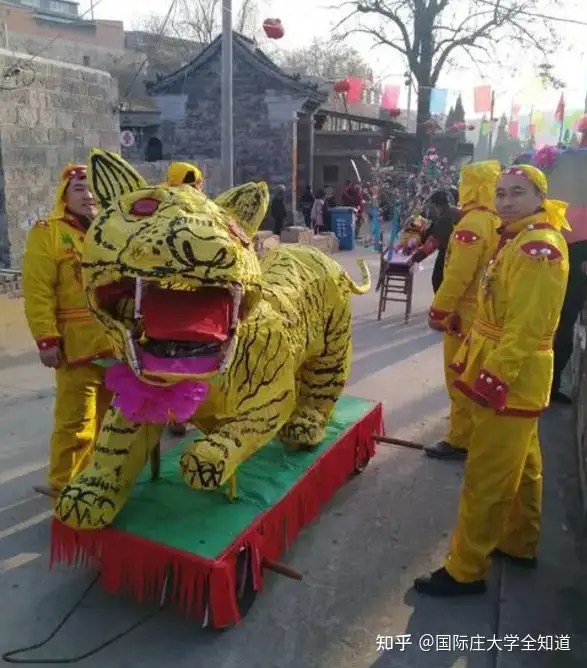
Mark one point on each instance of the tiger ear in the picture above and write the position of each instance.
(248, 205)
(110, 177)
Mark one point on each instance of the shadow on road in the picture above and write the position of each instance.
(394, 353)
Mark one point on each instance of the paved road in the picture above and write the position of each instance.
(359, 558)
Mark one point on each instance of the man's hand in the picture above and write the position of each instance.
(51, 357)
(437, 326)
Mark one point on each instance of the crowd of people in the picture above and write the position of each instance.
(316, 206)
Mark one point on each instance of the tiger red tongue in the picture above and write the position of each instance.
(203, 316)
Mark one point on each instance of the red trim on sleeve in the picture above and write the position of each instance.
(437, 316)
(492, 389)
(48, 342)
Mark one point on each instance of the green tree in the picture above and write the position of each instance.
(482, 146)
(450, 119)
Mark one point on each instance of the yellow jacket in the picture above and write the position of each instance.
(506, 361)
(470, 248)
(54, 297)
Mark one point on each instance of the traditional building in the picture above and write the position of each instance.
(272, 110)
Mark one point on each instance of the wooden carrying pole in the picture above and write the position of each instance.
(387, 440)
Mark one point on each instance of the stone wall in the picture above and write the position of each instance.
(90, 43)
(265, 120)
(156, 172)
(66, 50)
(46, 121)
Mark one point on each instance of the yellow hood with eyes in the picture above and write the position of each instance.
(173, 236)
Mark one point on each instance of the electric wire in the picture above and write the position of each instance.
(14, 656)
(160, 35)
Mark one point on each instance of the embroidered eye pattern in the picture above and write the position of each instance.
(144, 207)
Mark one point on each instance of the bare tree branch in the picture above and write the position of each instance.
(201, 20)
(331, 60)
(430, 33)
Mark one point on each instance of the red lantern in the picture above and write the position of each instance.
(395, 113)
(342, 86)
(273, 28)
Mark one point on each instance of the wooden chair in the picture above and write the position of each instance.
(395, 284)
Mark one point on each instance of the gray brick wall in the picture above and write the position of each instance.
(45, 123)
(66, 50)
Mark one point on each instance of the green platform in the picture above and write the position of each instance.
(164, 511)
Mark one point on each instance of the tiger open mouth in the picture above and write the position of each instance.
(174, 333)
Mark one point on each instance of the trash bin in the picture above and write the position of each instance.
(343, 225)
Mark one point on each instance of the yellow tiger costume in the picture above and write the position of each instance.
(278, 373)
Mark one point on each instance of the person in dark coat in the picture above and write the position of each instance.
(329, 204)
(440, 208)
(278, 210)
(575, 298)
(306, 204)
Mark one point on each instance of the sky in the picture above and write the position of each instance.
(305, 19)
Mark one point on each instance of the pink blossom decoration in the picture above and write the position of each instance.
(153, 404)
(545, 157)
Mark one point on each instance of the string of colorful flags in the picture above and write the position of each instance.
(483, 103)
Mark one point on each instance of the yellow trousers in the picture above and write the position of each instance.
(81, 401)
(460, 425)
(501, 499)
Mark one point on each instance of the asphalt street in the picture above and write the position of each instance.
(359, 558)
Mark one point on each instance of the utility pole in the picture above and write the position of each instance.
(408, 82)
(491, 114)
(226, 142)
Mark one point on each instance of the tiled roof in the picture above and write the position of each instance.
(249, 49)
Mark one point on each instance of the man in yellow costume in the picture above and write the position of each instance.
(507, 369)
(69, 339)
(182, 173)
(471, 245)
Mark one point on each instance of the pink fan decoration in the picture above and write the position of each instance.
(545, 157)
(153, 404)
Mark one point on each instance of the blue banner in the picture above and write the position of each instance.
(438, 98)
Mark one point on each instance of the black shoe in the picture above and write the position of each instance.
(441, 583)
(523, 562)
(177, 429)
(560, 398)
(444, 450)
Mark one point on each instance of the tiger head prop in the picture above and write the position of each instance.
(170, 272)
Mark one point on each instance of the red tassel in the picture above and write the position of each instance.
(222, 593)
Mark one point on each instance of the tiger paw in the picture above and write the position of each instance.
(87, 507)
(303, 430)
(204, 467)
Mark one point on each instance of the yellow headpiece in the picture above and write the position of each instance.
(477, 184)
(70, 173)
(554, 208)
(177, 172)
